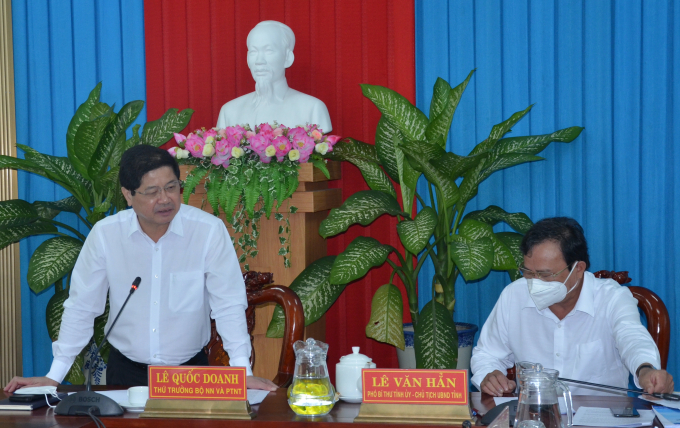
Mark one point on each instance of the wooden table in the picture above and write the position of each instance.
(272, 413)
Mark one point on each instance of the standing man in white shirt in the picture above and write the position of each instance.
(189, 273)
(563, 317)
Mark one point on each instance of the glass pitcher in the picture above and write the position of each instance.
(311, 393)
(538, 406)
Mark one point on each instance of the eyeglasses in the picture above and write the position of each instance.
(171, 188)
(530, 274)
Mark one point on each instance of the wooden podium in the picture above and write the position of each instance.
(313, 199)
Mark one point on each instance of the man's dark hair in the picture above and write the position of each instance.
(563, 230)
(138, 160)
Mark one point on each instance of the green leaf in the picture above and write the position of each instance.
(433, 174)
(100, 323)
(493, 214)
(363, 208)
(118, 149)
(82, 115)
(374, 175)
(114, 135)
(52, 260)
(427, 150)
(398, 110)
(87, 139)
(192, 180)
(22, 164)
(315, 291)
(512, 241)
(386, 323)
(49, 210)
(252, 195)
(229, 199)
(17, 212)
(476, 230)
(470, 184)
(9, 235)
(357, 259)
(321, 165)
(75, 374)
(108, 181)
(416, 233)
(506, 161)
(438, 128)
(498, 131)
(408, 179)
(440, 97)
(387, 146)
(455, 166)
(158, 132)
(436, 338)
(534, 144)
(473, 258)
(54, 312)
(212, 192)
(353, 148)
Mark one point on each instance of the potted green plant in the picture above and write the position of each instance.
(409, 146)
(95, 141)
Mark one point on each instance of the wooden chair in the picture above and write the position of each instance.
(658, 321)
(257, 294)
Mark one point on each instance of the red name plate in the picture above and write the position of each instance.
(197, 383)
(415, 386)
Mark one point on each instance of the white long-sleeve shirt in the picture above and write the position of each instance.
(600, 341)
(189, 275)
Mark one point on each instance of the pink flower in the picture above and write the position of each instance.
(173, 151)
(224, 146)
(282, 146)
(258, 143)
(209, 133)
(195, 145)
(236, 132)
(278, 131)
(249, 134)
(222, 133)
(311, 127)
(296, 133)
(305, 145)
(332, 139)
(180, 138)
(266, 130)
(316, 134)
(221, 160)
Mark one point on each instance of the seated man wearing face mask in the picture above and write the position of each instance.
(563, 317)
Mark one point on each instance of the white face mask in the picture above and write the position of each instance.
(545, 294)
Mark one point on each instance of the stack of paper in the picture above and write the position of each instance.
(603, 417)
(670, 418)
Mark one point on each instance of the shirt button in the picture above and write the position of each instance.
(156, 249)
(154, 355)
(155, 303)
(559, 325)
(156, 276)
(154, 329)
(557, 355)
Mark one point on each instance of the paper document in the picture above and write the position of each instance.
(119, 396)
(563, 405)
(670, 418)
(602, 417)
(660, 402)
(256, 396)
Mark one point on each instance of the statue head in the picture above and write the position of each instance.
(270, 52)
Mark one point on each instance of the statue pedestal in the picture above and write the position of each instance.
(313, 199)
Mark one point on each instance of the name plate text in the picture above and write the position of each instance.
(197, 383)
(418, 386)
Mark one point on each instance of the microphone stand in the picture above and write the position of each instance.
(87, 402)
(664, 396)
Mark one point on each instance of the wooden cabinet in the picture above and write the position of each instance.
(313, 200)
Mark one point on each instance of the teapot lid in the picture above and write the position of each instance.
(355, 358)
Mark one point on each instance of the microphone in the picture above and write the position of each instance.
(88, 402)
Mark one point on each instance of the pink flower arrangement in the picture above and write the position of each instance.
(266, 141)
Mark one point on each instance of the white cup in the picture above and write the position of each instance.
(137, 395)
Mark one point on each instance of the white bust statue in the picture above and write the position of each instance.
(270, 52)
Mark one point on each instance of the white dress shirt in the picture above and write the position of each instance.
(600, 341)
(189, 275)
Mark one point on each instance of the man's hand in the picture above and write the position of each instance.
(659, 381)
(496, 384)
(19, 382)
(259, 383)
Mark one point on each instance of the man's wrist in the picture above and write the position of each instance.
(642, 366)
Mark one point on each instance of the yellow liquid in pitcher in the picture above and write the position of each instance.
(311, 396)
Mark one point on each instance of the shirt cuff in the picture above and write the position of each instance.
(241, 362)
(58, 371)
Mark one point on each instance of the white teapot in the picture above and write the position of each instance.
(348, 375)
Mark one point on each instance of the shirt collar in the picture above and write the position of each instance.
(176, 225)
(585, 301)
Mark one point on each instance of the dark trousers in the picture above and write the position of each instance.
(121, 370)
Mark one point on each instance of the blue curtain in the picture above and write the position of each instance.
(606, 65)
(62, 49)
